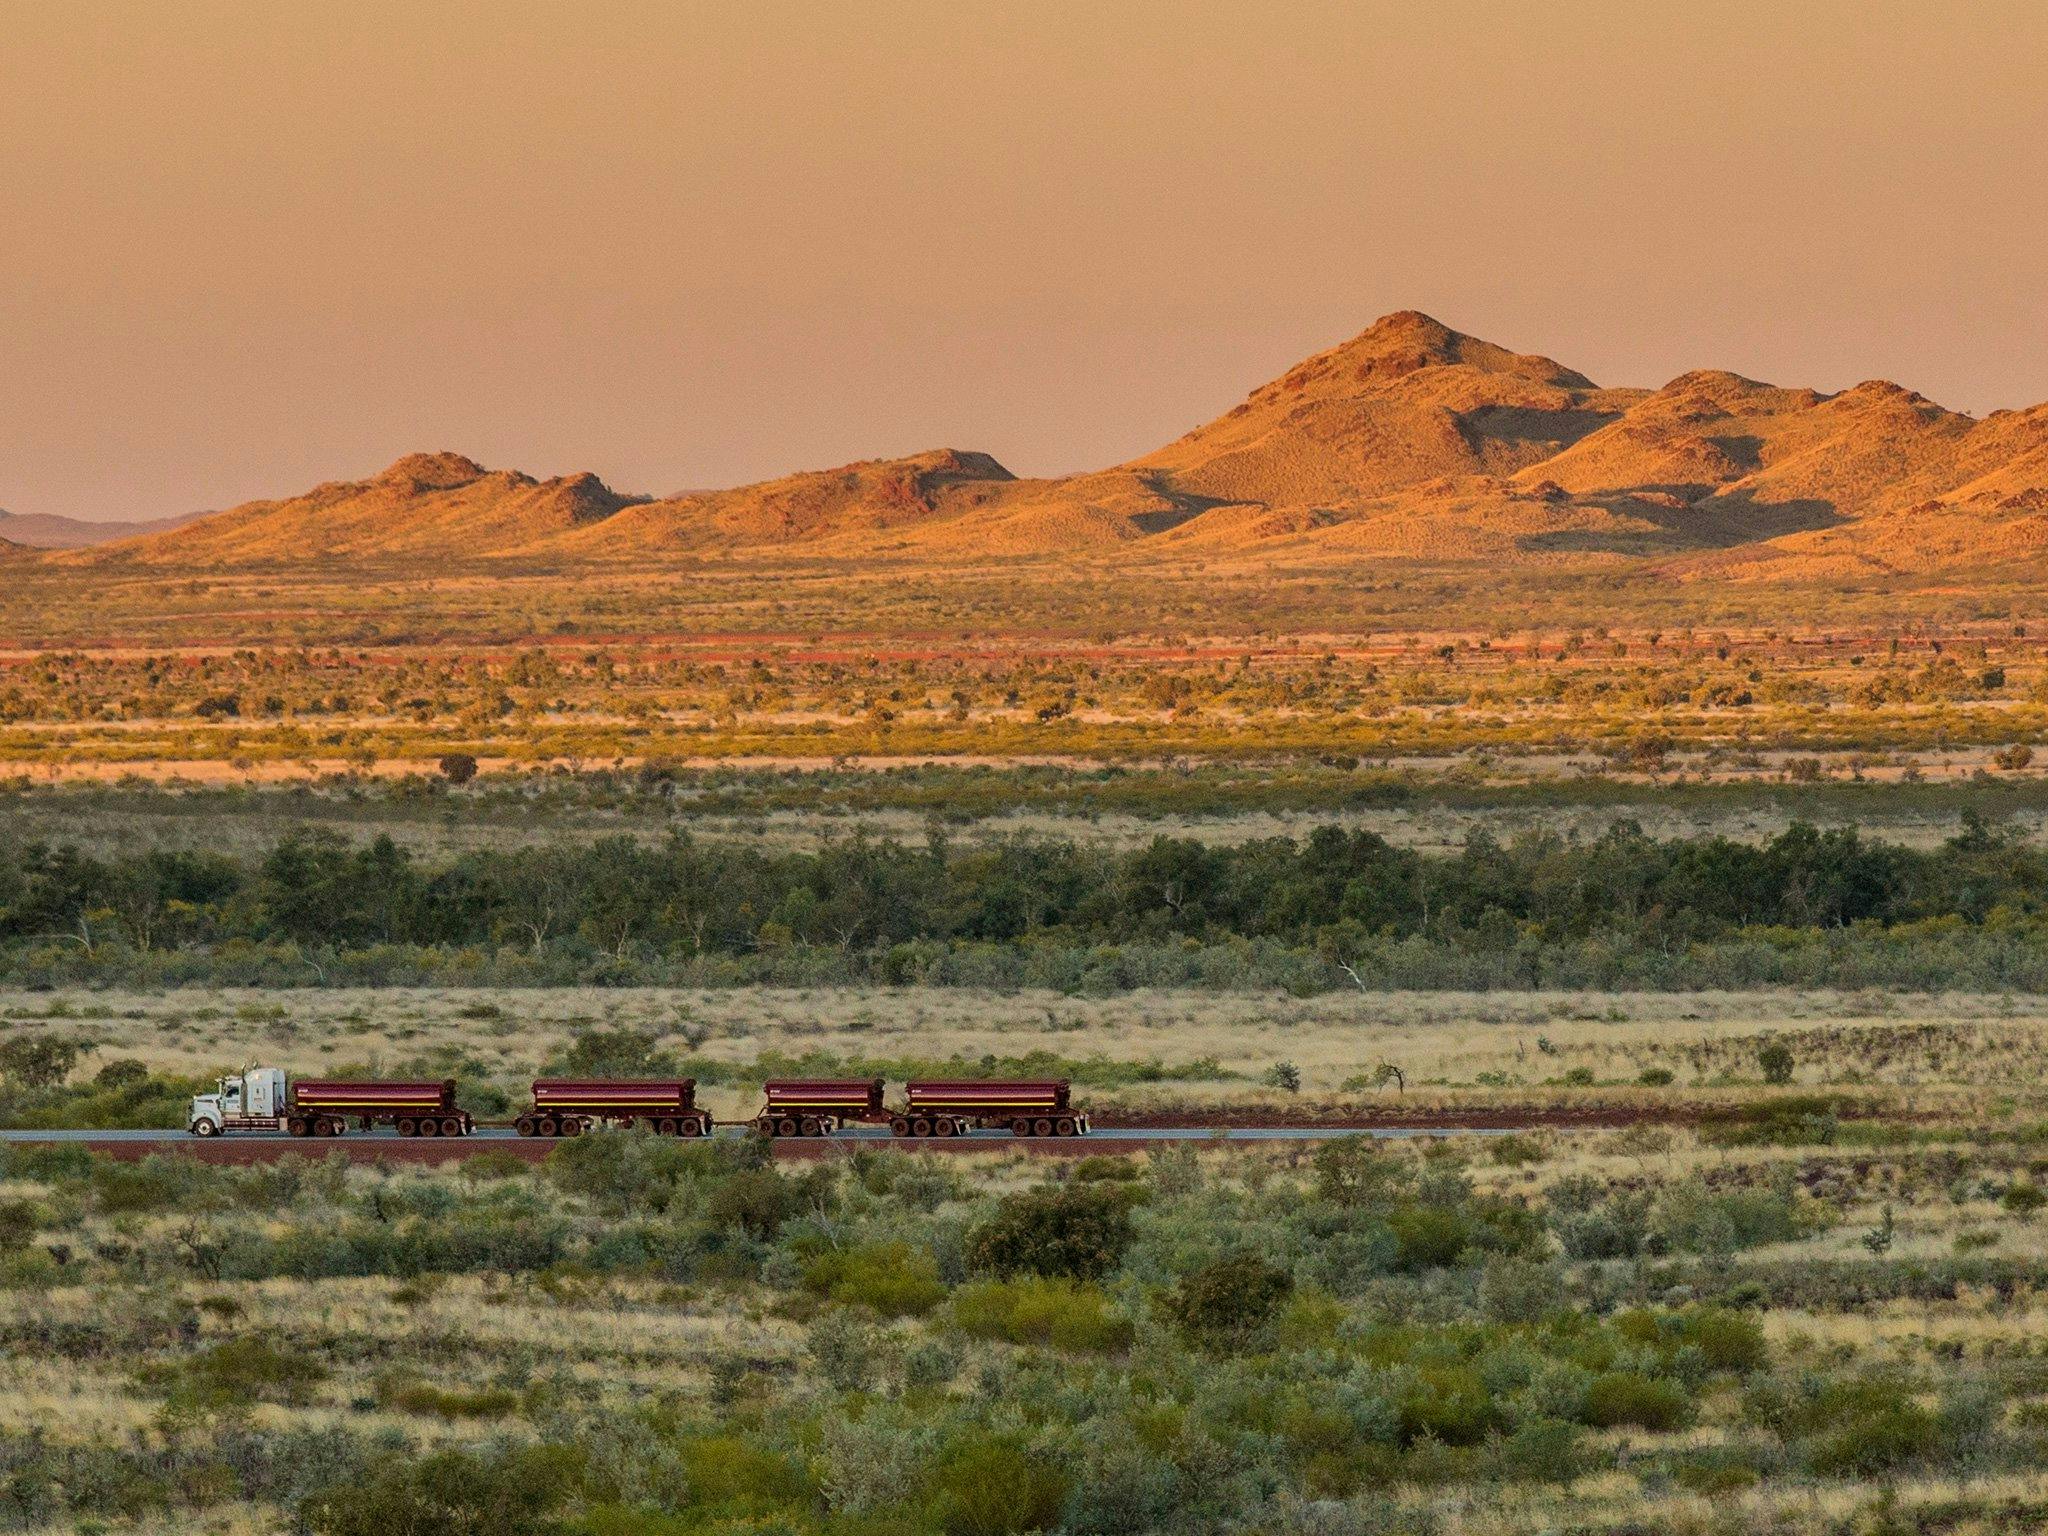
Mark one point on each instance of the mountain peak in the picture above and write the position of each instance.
(1408, 341)
(432, 471)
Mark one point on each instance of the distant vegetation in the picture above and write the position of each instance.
(1654, 702)
(1336, 909)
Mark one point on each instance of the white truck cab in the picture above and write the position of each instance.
(254, 1101)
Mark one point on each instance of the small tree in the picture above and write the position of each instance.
(1080, 1233)
(458, 767)
(1775, 1058)
(1229, 1298)
(39, 1061)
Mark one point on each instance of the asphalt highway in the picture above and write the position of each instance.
(493, 1134)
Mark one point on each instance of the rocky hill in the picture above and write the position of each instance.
(1409, 442)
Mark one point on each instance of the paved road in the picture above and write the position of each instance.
(501, 1133)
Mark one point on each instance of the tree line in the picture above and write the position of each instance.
(685, 896)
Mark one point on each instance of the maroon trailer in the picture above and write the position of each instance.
(324, 1106)
(1040, 1108)
(564, 1106)
(817, 1106)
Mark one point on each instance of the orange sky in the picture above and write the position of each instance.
(248, 246)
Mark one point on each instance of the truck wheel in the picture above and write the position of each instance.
(327, 1125)
(664, 1127)
(1065, 1127)
(810, 1125)
(523, 1125)
(1020, 1127)
(943, 1127)
(920, 1126)
(430, 1127)
(1042, 1127)
(572, 1126)
(205, 1128)
(451, 1127)
(407, 1126)
(899, 1127)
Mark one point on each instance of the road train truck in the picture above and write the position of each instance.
(261, 1099)
(569, 1106)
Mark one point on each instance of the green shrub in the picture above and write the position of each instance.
(1878, 1438)
(891, 1279)
(1353, 1171)
(1512, 1151)
(2023, 1198)
(157, 1183)
(1079, 1233)
(623, 1052)
(226, 1380)
(1229, 1299)
(512, 1492)
(425, 1398)
(1703, 1221)
(1726, 1339)
(1626, 1398)
(842, 1349)
(1109, 1170)
(19, 1221)
(1429, 1237)
(1590, 1227)
(1775, 1058)
(755, 1201)
(36, 1062)
(1449, 1404)
(29, 1269)
(1032, 1309)
(728, 1473)
(1716, 1476)
(991, 1485)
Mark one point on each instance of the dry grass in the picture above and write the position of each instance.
(1917, 1052)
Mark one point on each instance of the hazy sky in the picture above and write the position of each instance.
(245, 247)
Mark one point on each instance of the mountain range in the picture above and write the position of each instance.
(48, 531)
(1410, 442)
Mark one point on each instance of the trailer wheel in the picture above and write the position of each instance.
(899, 1126)
(430, 1127)
(664, 1127)
(205, 1128)
(295, 1126)
(944, 1126)
(1020, 1127)
(571, 1126)
(329, 1127)
(407, 1126)
(809, 1127)
(920, 1126)
(523, 1125)
(451, 1127)
(1065, 1127)
(1042, 1127)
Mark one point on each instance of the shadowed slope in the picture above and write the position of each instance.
(1407, 401)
